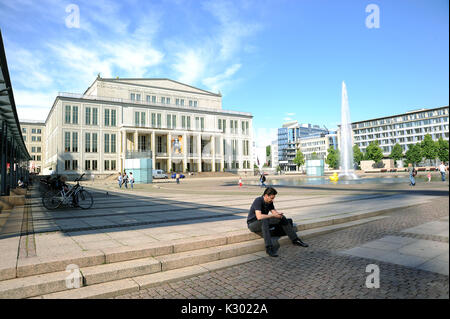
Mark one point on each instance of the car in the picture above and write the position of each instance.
(159, 173)
(174, 175)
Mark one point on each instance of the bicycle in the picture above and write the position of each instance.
(76, 196)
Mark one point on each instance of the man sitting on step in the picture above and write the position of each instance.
(259, 220)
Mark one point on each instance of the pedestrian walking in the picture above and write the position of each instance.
(131, 180)
(177, 176)
(262, 179)
(412, 174)
(442, 170)
(240, 181)
(429, 176)
(259, 220)
(120, 180)
(125, 180)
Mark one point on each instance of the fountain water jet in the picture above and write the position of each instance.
(346, 150)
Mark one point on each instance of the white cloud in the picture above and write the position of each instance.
(290, 114)
(213, 60)
(264, 136)
(217, 82)
(28, 68)
(189, 65)
(29, 99)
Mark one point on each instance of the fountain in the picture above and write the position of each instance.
(346, 150)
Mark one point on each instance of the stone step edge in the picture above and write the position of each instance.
(38, 265)
(136, 283)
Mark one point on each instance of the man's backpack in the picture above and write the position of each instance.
(277, 230)
(414, 172)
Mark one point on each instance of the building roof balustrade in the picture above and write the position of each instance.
(145, 103)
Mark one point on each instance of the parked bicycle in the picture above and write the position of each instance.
(76, 196)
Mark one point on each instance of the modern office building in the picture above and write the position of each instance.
(317, 144)
(178, 126)
(404, 129)
(33, 133)
(288, 137)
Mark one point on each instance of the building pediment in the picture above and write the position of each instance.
(163, 84)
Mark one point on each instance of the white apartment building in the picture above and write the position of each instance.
(33, 133)
(318, 144)
(182, 128)
(404, 129)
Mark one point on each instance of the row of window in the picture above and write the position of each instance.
(90, 142)
(90, 165)
(91, 116)
(403, 125)
(426, 130)
(234, 127)
(403, 118)
(33, 138)
(36, 157)
(33, 130)
(35, 149)
(162, 100)
(171, 121)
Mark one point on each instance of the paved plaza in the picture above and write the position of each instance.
(332, 268)
(402, 229)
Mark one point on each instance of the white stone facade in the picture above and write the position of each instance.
(33, 133)
(180, 127)
(404, 129)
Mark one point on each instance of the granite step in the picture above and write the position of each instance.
(41, 265)
(98, 281)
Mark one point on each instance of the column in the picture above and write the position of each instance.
(199, 151)
(135, 148)
(169, 153)
(153, 150)
(222, 153)
(3, 158)
(124, 150)
(213, 149)
(11, 165)
(185, 153)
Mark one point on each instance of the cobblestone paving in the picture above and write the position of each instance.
(318, 272)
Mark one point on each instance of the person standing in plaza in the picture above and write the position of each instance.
(177, 176)
(120, 179)
(429, 177)
(442, 169)
(262, 179)
(125, 179)
(131, 180)
(240, 181)
(412, 174)
(259, 220)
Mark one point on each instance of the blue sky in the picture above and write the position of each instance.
(279, 60)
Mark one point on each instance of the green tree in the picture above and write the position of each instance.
(374, 152)
(414, 154)
(442, 150)
(299, 159)
(429, 148)
(332, 158)
(268, 150)
(396, 153)
(278, 168)
(314, 156)
(358, 156)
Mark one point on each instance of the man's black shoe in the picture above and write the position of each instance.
(298, 242)
(271, 252)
